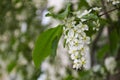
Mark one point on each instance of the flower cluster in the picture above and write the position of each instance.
(81, 15)
(76, 39)
(110, 64)
(114, 2)
(77, 42)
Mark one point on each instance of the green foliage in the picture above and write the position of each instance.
(14, 42)
(62, 15)
(11, 66)
(102, 51)
(46, 44)
(90, 17)
(114, 41)
(82, 4)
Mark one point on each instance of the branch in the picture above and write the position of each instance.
(93, 47)
(109, 28)
(108, 12)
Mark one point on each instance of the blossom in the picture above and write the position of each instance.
(42, 77)
(77, 42)
(114, 2)
(96, 8)
(77, 64)
(85, 12)
(96, 68)
(97, 23)
(110, 64)
(76, 39)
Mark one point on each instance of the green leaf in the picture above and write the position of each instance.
(90, 32)
(61, 15)
(54, 46)
(102, 51)
(11, 66)
(90, 17)
(114, 42)
(82, 3)
(46, 44)
(102, 21)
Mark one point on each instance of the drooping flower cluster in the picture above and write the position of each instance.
(77, 42)
(114, 2)
(76, 39)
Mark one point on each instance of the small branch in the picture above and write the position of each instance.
(105, 10)
(93, 47)
(109, 28)
(108, 12)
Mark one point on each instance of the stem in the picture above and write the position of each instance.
(109, 28)
(108, 12)
(105, 10)
(93, 47)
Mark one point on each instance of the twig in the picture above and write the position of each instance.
(93, 47)
(108, 12)
(109, 28)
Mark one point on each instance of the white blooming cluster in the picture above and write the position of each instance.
(76, 39)
(114, 2)
(86, 12)
(77, 42)
(110, 64)
(97, 23)
(80, 14)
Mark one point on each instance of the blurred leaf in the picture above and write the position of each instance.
(69, 77)
(84, 75)
(46, 44)
(61, 15)
(102, 21)
(90, 16)
(114, 42)
(82, 3)
(11, 66)
(90, 32)
(54, 46)
(101, 52)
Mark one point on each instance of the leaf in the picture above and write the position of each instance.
(54, 46)
(102, 21)
(46, 44)
(114, 42)
(90, 16)
(61, 15)
(82, 3)
(11, 66)
(90, 32)
(102, 51)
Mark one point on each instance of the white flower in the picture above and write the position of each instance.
(86, 40)
(114, 2)
(77, 64)
(83, 60)
(82, 27)
(71, 33)
(77, 42)
(75, 56)
(97, 23)
(84, 50)
(80, 15)
(110, 64)
(96, 9)
(42, 77)
(96, 68)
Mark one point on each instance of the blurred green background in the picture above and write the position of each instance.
(21, 21)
